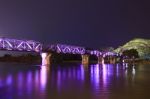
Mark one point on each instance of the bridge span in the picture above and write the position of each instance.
(20, 45)
(46, 51)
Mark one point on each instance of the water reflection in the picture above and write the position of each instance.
(65, 75)
(69, 81)
(133, 70)
(117, 70)
(43, 77)
(25, 82)
(95, 75)
(9, 80)
(105, 74)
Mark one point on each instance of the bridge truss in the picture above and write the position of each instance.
(67, 49)
(20, 45)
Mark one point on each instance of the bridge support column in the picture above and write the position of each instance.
(45, 58)
(85, 59)
(103, 60)
(100, 59)
(112, 60)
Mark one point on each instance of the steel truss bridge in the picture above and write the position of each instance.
(20, 45)
(34, 46)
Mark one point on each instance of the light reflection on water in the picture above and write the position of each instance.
(74, 81)
(43, 77)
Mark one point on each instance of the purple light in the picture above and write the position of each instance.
(59, 80)
(82, 72)
(20, 83)
(20, 79)
(107, 71)
(29, 77)
(19, 45)
(9, 80)
(104, 73)
(104, 55)
(29, 81)
(117, 69)
(69, 49)
(43, 77)
(36, 78)
(95, 75)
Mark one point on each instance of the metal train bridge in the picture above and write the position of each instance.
(34, 46)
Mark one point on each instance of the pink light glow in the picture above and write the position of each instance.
(104, 73)
(43, 77)
(43, 55)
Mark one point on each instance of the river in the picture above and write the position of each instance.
(74, 81)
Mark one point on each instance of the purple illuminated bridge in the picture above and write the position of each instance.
(34, 46)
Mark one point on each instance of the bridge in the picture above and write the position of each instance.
(8, 44)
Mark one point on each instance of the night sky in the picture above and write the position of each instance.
(90, 23)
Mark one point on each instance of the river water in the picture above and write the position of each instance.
(74, 81)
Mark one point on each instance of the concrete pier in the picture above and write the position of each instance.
(46, 58)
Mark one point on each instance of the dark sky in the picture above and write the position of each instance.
(90, 23)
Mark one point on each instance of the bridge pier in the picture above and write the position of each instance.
(112, 60)
(45, 58)
(85, 59)
(100, 59)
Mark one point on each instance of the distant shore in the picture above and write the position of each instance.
(37, 59)
(21, 59)
(137, 61)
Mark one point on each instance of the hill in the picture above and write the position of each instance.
(141, 45)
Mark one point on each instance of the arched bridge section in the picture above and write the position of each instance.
(66, 49)
(20, 45)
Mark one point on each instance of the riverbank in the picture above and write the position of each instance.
(28, 58)
(21, 59)
(146, 61)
